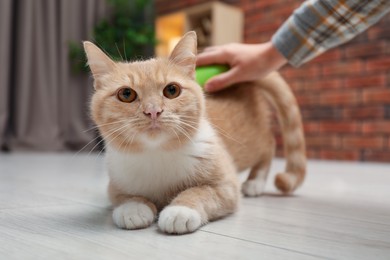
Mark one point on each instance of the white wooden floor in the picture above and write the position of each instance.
(55, 207)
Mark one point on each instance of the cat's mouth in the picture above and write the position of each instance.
(157, 125)
(154, 125)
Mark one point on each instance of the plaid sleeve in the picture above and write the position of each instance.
(318, 25)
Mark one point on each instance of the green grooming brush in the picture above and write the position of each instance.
(204, 73)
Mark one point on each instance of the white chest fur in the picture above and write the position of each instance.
(154, 171)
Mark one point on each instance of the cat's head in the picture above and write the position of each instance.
(147, 103)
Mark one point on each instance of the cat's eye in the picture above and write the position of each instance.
(172, 90)
(127, 95)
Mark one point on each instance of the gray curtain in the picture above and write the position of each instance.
(43, 106)
(5, 40)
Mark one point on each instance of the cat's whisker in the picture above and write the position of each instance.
(131, 141)
(218, 129)
(97, 137)
(132, 138)
(188, 125)
(178, 138)
(208, 117)
(126, 141)
(99, 153)
(176, 124)
(224, 133)
(185, 122)
(124, 49)
(183, 131)
(90, 129)
(123, 141)
(85, 146)
(96, 146)
(101, 141)
(124, 129)
(111, 123)
(109, 134)
(116, 45)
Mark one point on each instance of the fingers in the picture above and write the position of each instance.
(211, 48)
(217, 55)
(212, 55)
(222, 81)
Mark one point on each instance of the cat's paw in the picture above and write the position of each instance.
(253, 188)
(133, 215)
(179, 220)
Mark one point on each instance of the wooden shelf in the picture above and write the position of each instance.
(215, 23)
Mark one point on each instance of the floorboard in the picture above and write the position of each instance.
(54, 206)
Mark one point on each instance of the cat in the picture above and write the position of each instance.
(170, 149)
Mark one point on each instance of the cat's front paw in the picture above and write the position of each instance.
(133, 215)
(253, 188)
(179, 220)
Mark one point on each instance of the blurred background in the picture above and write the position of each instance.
(45, 88)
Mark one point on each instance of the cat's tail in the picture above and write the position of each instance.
(282, 98)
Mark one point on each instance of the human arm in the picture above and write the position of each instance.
(315, 27)
(319, 25)
(247, 62)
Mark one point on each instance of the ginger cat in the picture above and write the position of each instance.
(170, 149)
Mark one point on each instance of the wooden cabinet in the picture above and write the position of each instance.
(215, 23)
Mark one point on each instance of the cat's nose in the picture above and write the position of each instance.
(153, 113)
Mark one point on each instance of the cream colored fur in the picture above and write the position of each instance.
(184, 162)
(161, 169)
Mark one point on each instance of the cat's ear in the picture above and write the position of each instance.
(184, 53)
(98, 61)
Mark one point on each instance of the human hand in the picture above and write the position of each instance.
(247, 62)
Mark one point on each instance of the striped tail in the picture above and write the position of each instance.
(281, 97)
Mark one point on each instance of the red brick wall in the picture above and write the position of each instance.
(344, 94)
